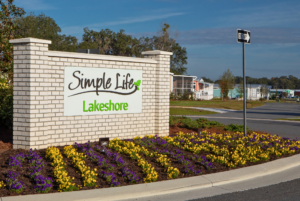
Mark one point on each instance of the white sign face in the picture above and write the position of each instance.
(94, 91)
(243, 36)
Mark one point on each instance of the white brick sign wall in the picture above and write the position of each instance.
(40, 119)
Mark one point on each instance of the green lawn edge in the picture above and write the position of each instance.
(187, 111)
(232, 104)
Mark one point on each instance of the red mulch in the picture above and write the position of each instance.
(175, 129)
(6, 135)
(6, 139)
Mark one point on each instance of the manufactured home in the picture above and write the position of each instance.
(180, 84)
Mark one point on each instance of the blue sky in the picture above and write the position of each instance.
(207, 28)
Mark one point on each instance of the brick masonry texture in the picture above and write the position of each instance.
(39, 120)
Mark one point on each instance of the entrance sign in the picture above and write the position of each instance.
(243, 36)
(94, 91)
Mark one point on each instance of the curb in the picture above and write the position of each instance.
(169, 186)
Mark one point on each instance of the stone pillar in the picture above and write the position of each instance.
(31, 84)
(162, 90)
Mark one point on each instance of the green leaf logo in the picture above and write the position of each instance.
(137, 83)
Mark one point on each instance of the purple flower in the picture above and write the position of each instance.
(36, 163)
(178, 155)
(129, 175)
(13, 183)
(203, 161)
(110, 178)
(100, 160)
(16, 160)
(115, 156)
(43, 184)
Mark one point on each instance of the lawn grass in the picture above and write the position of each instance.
(187, 111)
(230, 104)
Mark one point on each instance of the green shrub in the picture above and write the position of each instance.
(189, 123)
(215, 123)
(178, 96)
(172, 96)
(201, 120)
(6, 104)
(235, 128)
(192, 97)
(204, 123)
(185, 96)
(174, 120)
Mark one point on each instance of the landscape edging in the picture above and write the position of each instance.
(169, 186)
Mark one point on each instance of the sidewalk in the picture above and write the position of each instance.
(218, 110)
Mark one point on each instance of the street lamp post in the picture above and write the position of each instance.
(243, 36)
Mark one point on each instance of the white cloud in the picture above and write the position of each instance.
(218, 36)
(131, 20)
(137, 19)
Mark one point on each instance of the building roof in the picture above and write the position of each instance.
(184, 76)
(202, 81)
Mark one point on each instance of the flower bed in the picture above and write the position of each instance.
(134, 161)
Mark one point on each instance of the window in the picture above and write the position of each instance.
(183, 84)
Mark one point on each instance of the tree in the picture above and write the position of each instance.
(178, 60)
(66, 43)
(44, 27)
(226, 82)
(284, 94)
(264, 91)
(97, 40)
(8, 30)
(125, 45)
(205, 79)
(240, 89)
(112, 43)
(238, 79)
(146, 44)
(164, 42)
(224, 88)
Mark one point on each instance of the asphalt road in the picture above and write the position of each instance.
(285, 191)
(267, 188)
(263, 118)
(268, 111)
